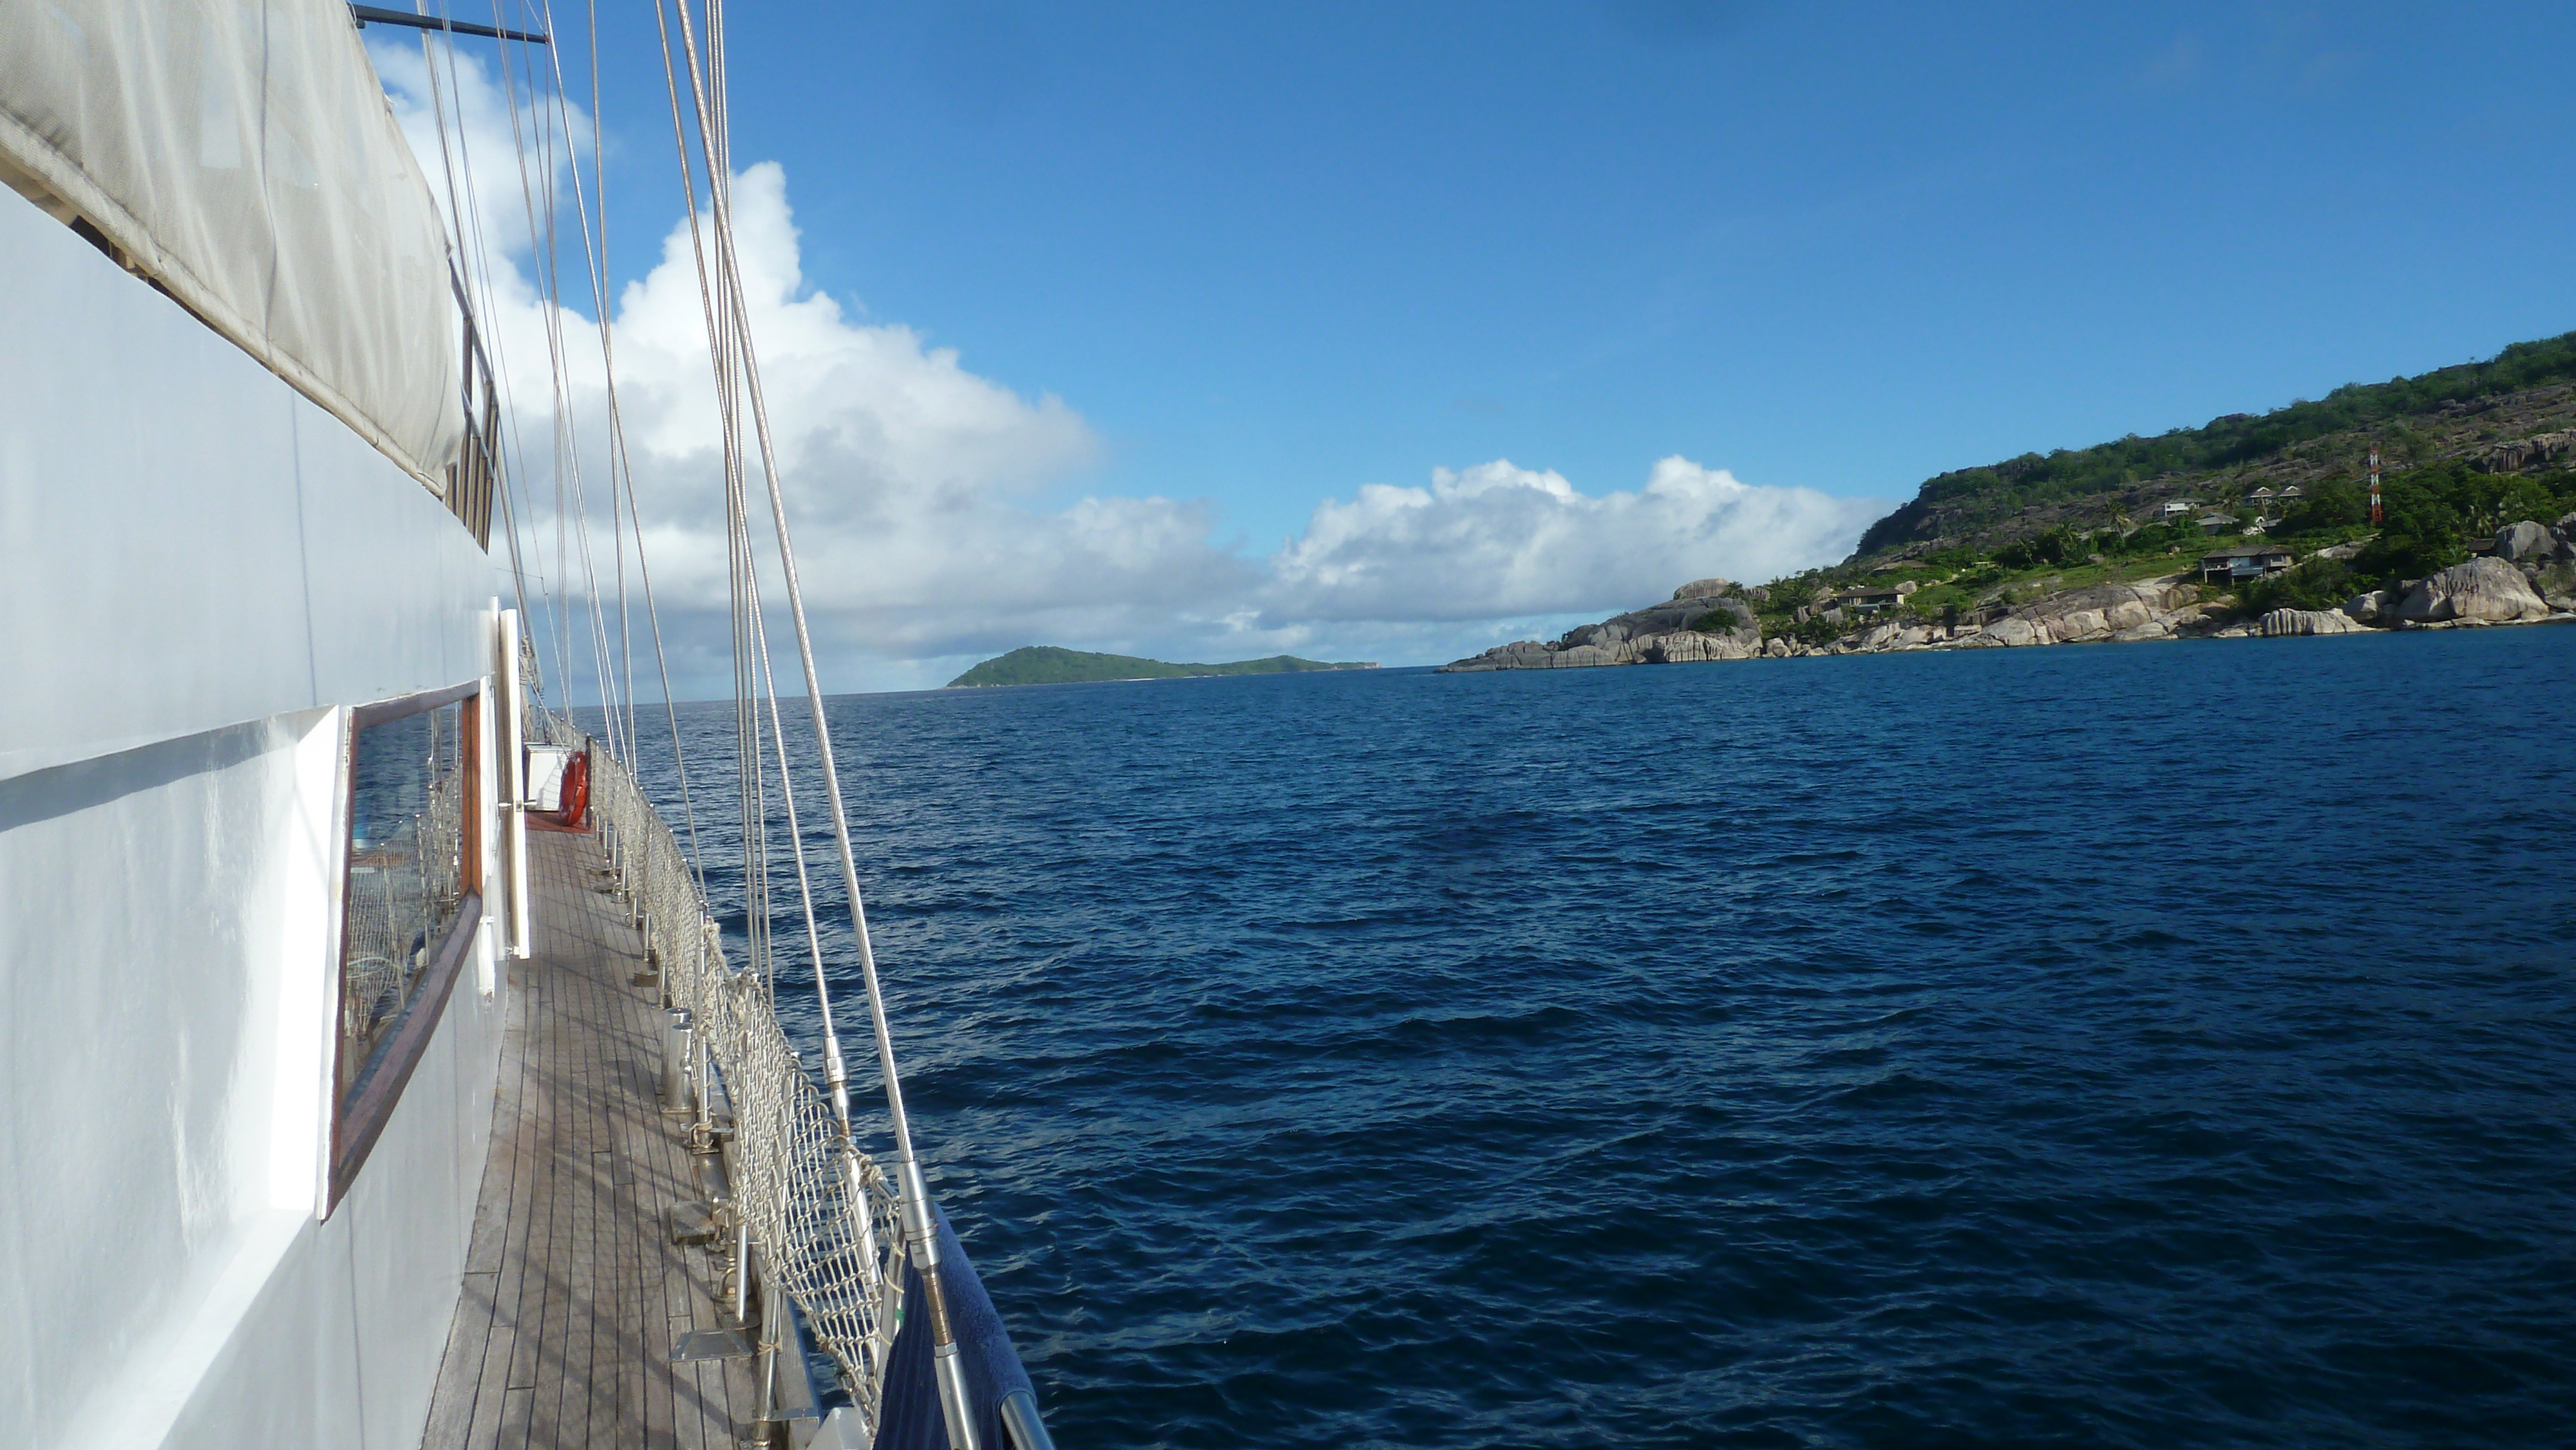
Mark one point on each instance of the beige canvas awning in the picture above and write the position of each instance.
(243, 157)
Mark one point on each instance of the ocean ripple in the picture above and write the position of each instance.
(2141, 1046)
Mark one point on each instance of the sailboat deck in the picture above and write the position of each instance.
(574, 1291)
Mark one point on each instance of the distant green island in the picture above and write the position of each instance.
(1044, 664)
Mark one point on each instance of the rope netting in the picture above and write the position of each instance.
(834, 1230)
(824, 1215)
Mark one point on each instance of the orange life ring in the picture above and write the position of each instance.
(574, 799)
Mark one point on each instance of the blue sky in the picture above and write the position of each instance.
(1272, 255)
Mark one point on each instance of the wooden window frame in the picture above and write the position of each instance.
(359, 1120)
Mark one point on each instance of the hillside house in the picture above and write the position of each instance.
(2239, 562)
(2176, 508)
(1868, 601)
(2211, 523)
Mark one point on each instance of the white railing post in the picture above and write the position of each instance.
(514, 778)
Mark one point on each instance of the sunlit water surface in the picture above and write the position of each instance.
(2130, 1046)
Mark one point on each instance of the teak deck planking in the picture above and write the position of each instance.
(574, 1292)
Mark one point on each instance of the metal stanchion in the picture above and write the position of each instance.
(676, 1042)
(741, 1265)
(772, 1312)
(1020, 1421)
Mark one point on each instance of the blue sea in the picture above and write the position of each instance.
(2111, 1046)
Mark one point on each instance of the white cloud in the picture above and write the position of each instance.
(479, 168)
(913, 482)
(1499, 540)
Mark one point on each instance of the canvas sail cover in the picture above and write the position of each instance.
(241, 154)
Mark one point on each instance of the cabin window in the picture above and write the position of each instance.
(410, 902)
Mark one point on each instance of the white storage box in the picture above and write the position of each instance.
(546, 764)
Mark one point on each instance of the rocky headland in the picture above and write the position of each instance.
(2527, 577)
(2416, 503)
(1704, 620)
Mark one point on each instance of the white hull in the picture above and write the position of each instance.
(202, 572)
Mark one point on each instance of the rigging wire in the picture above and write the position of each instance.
(474, 270)
(476, 292)
(708, 91)
(477, 272)
(475, 281)
(746, 728)
(621, 460)
(462, 269)
(745, 423)
(620, 452)
(548, 266)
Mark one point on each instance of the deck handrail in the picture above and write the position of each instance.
(823, 1215)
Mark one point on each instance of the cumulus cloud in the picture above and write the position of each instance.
(1497, 540)
(915, 485)
(478, 165)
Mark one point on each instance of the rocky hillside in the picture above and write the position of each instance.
(2514, 412)
(1704, 620)
(2248, 525)
(2526, 575)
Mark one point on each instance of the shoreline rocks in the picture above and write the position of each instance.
(2529, 578)
(2149, 609)
(1659, 634)
(2488, 589)
(2525, 540)
(2281, 623)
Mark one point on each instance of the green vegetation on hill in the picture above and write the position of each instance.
(2464, 452)
(1042, 664)
(2433, 514)
(2156, 531)
(2416, 420)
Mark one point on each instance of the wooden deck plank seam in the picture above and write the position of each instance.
(562, 1336)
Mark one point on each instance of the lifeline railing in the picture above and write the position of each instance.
(811, 1209)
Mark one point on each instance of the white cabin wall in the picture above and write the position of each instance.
(202, 571)
(191, 544)
(341, 1343)
(145, 1057)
